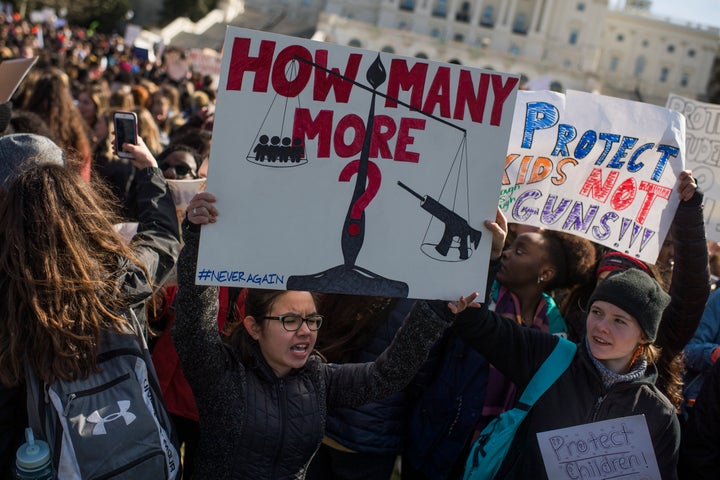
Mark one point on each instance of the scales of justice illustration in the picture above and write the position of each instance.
(458, 240)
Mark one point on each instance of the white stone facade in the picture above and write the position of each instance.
(576, 44)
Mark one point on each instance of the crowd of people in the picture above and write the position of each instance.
(289, 384)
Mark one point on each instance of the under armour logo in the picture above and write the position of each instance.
(99, 428)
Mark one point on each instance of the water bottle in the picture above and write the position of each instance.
(33, 460)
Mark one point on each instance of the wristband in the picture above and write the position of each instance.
(715, 354)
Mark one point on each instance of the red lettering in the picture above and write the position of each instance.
(285, 64)
(466, 97)
(305, 127)
(500, 93)
(401, 77)
(439, 93)
(653, 191)
(241, 62)
(383, 130)
(349, 122)
(595, 187)
(405, 139)
(325, 81)
(624, 195)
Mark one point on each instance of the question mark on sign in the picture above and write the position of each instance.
(374, 179)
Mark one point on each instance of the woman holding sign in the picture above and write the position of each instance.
(263, 396)
(612, 375)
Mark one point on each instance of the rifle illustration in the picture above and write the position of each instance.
(455, 225)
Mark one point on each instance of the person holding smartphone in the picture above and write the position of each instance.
(125, 132)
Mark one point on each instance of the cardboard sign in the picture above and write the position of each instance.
(599, 167)
(12, 73)
(343, 170)
(702, 154)
(611, 449)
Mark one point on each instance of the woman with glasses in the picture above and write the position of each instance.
(264, 395)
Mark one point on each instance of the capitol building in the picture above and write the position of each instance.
(582, 45)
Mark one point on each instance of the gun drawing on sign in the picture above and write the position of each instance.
(455, 225)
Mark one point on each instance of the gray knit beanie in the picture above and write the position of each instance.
(20, 151)
(638, 294)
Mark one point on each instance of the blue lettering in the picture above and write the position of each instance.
(566, 134)
(538, 116)
(609, 138)
(627, 142)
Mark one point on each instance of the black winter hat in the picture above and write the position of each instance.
(638, 294)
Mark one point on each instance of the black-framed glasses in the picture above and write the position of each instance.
(179, 170)
(292, 322)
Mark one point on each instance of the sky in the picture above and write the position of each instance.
(706, 12)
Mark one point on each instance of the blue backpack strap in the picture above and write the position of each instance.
(548, 373)
(556, 322)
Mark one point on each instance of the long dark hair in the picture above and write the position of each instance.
(60, 259)
(352, 320)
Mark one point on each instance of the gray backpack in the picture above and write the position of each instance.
(111, 425)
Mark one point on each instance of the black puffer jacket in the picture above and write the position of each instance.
(254, 425)
(690, 283)
(576, 398)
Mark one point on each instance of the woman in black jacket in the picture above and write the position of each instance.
(263, 399)
(611, 376)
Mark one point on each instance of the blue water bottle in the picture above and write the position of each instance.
(33, 460)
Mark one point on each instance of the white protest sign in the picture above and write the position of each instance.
(132, 32)
(343, 170)
(611, 449)
(702, 154)
(598, 167)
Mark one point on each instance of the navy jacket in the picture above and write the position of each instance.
(378, 426)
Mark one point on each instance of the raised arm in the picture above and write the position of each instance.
(355, 384)
(157, 241)
(690, 283)
(195, 332)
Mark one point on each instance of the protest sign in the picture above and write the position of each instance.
(343, 170)
(205, 61)
(702, 154)
(617, 448)
(598, 167)
(12, 73)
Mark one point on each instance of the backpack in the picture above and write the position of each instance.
(489, 450)
(111, 425)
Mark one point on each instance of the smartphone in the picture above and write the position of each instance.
(125, 131)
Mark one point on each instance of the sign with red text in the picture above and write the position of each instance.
(599, 167)
(702, 154)
(349, 171)
(611, 449)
